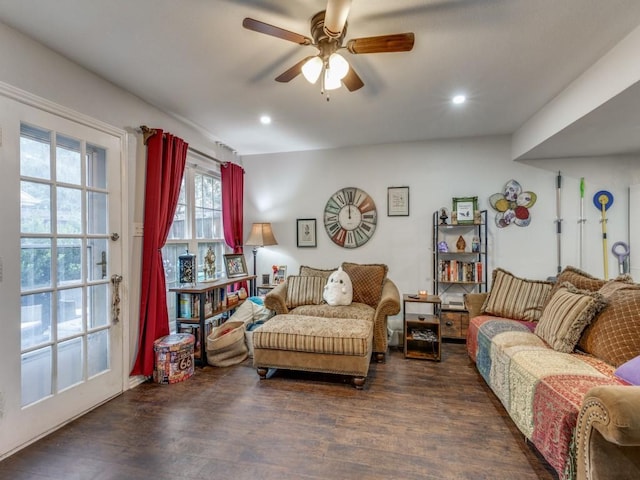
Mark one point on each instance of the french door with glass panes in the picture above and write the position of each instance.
(66, 335)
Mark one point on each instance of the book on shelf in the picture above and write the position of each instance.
(460, 271)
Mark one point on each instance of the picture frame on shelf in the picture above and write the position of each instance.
(280, 275)
(235, 265)
(398, 201)
(464, 209)
(306, 235)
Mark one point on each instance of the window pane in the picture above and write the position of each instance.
(170, 253)
(35, 263)
(69, 312)
(98, 307)
(179, 226)
(35, 207)
(97, 259)
(69, 210)
(36, 375)
(68, 160)
(98, 352)
(35, 152)
(204, 223)
(35, 319)
(69, 264)
(69, 363)
(96, 167)
(97, 217)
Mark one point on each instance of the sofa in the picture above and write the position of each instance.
(563, 358)
(375, 297)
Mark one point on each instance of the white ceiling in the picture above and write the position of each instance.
(193, 59)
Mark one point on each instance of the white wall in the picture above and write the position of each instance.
(283, 187)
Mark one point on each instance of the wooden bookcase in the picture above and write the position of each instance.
(204, 305)
(458, 272)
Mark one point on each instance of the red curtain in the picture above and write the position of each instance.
(232, 183)
(166, 159)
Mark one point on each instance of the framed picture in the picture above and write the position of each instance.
(464, 209)
(280, 275)
(306, 232)
(398, 201)
(235, 265)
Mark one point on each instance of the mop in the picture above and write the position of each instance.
(559, 220)
(581, 220)
(603, 201)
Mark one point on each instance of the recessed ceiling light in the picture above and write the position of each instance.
(265, 119)
(458, 99)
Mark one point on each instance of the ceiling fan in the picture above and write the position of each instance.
(328, 29)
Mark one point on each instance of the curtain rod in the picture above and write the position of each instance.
(149, 132)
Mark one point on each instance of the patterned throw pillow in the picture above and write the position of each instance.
(315, 272)
(566, 315)
(367, 281)
(614, 336)
(516, 298)
(304, 290)
(582, 280)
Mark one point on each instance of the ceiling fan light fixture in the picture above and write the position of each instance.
(312, 69)
(331, 80)
(338, 65)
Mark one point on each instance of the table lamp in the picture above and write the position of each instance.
(261, 236)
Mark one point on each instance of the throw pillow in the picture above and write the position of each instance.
(304, 290)
(516, 298)
(566, 315)
(367, 280)
(629, 371)
(582, 280)
(614, 336)
(338, 289)
(315, 272)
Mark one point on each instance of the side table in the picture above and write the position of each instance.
(422, 332)
(265, 288)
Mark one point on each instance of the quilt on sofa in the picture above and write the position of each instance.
(541, 389)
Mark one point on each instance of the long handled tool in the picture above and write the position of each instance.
(581, 220)
(559, 221)
(603, 201)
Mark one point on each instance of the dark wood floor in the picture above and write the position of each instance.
(413, 420)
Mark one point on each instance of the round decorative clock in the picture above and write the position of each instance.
(350, 217)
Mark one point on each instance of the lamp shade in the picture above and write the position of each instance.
(261, 235)
(312, 69)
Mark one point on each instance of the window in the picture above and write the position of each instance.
(196, 227)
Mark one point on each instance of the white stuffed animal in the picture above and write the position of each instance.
(339, 289)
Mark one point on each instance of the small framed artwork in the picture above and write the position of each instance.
(280, 275)
(306, 232)
(398, 201)
(235, 265)
(464, 209)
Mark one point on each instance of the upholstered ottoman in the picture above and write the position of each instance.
(329, 345)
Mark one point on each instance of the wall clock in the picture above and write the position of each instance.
(350, 217)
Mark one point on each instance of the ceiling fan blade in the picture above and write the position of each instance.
(335, 17)
(261, 27)
(293, 72)
(352, 81)
(398, 42)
